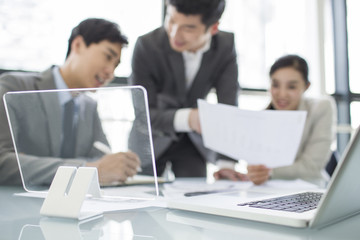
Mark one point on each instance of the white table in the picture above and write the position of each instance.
(20, 219)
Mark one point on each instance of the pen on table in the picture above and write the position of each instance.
(106, 149)
(102, 147)
(197, 193)
(192, 194)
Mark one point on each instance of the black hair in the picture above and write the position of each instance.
(210, 10)
(294, 61)
(95, 30)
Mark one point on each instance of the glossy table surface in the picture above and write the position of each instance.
(20, 219)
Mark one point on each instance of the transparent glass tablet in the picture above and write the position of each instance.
(107, 122)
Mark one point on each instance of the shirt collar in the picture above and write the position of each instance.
(64, 96)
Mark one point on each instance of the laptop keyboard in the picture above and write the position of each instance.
(299, 203)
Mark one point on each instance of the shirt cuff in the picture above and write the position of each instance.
(181, 120)
(270, 174)
(221, 163)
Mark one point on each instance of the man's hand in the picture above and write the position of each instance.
(116, 167)
(258, 174)
(194, 121)
(230, 174)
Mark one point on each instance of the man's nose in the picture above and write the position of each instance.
(109, 71)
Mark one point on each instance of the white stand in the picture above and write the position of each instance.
(68, 191)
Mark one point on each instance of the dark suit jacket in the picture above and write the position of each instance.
(161, 71)
(38, 129)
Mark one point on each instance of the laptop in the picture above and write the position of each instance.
(340, 200)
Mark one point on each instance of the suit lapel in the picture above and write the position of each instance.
(178, 69)
(52, 110)
(177, 64)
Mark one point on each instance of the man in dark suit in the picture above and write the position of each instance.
(93, 54)
(177, 64)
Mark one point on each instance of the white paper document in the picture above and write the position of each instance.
(264, 137)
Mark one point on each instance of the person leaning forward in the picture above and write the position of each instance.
(178, 64)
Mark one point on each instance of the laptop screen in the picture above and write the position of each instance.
(104, 121)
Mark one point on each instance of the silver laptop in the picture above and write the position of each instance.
(341, 199)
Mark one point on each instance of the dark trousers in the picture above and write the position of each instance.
(185, 159)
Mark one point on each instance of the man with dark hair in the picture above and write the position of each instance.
(95, 30)
(178, 64)
(93, 54)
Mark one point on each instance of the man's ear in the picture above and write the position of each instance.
(214, 29)
(77, 44)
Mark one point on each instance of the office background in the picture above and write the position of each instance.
(34, 34)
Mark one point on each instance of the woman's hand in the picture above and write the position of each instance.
(258, 174)
(230, 174)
